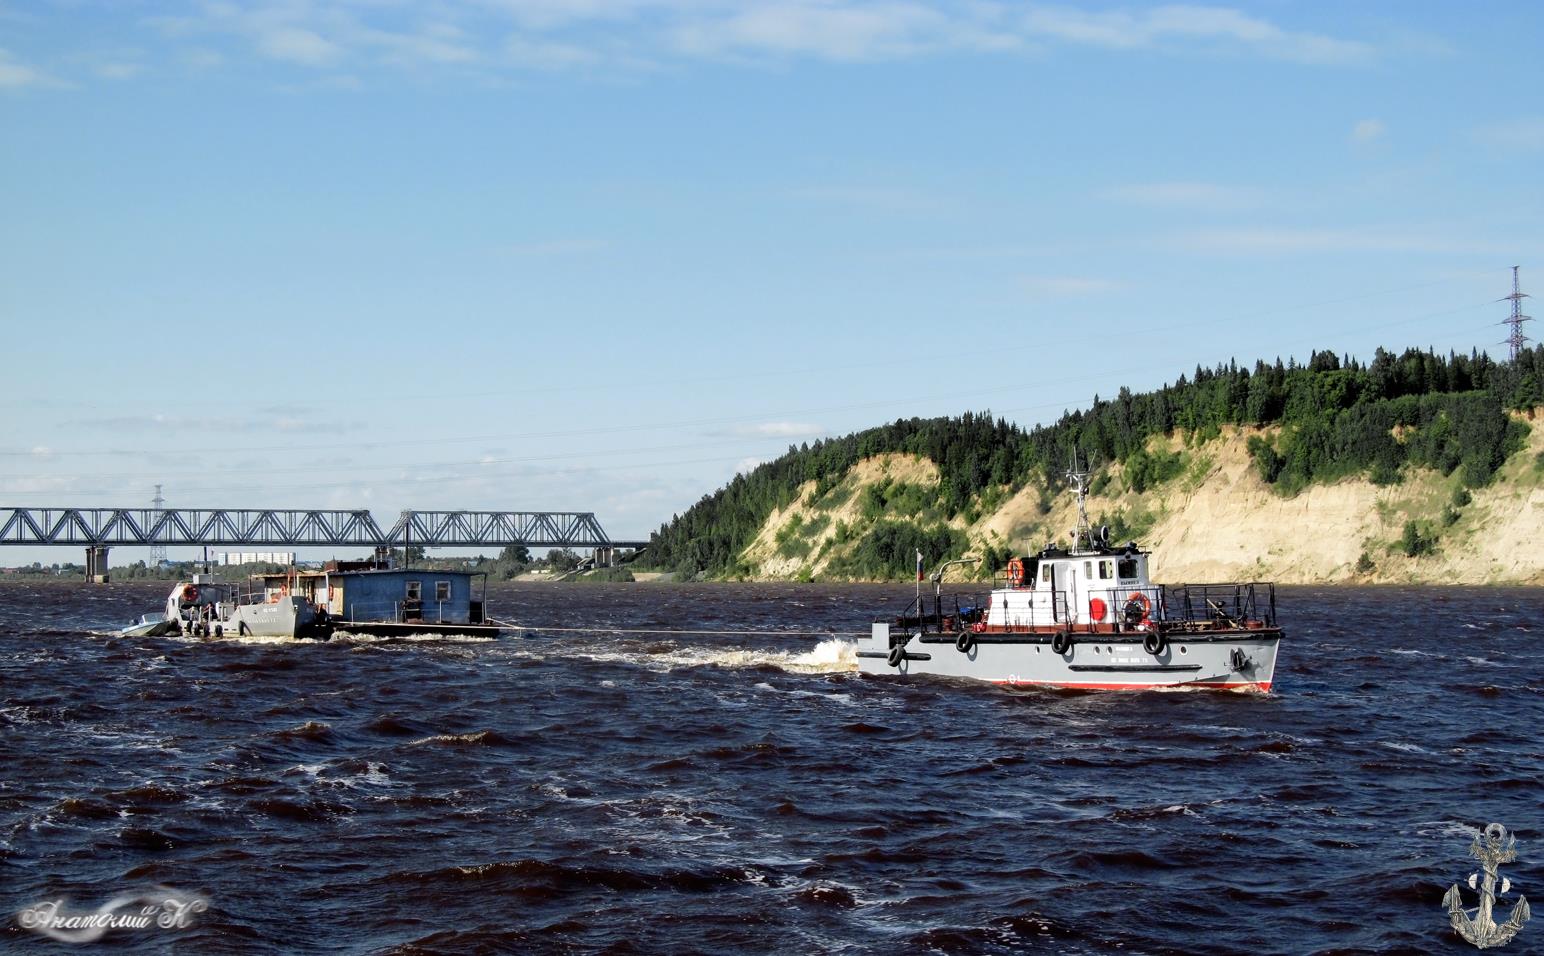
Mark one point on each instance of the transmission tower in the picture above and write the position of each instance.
(1517, 338)
(158, 551)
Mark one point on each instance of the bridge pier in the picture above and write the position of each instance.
(96, 565)
(605, 557)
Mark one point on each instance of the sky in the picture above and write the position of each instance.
(600, 255)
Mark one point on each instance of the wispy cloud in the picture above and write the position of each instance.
(1368, 131)
(15, 75)
(842, 32)
(781, 430)
(629, 34)
(1297, 241)
(188, 424)
(1185, 195)
(1183, 23)
(1524, 133)
(1067, 286)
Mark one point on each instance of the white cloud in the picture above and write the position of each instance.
(15, 75)
(297, 44)
(1185, 195)
(1063, 286)
(1150, 28)
(782, 429)
(1368, 130)
(439, 43)
(830, 31)
(1525, 133)
(1296, 241)
(118, 70)
(747, 465)
(548, 55)
(634, 34)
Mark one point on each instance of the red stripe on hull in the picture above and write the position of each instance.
(1263, 687)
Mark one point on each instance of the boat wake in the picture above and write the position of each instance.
(830, 656)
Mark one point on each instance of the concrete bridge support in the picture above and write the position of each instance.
(96, 565)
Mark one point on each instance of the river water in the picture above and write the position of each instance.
(568, 791)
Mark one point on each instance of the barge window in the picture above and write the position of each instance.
(414, 590)
(442, 590)
(1128, 568)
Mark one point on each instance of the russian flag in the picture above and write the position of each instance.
(919, 565)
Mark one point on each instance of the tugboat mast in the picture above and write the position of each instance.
(1082, 531)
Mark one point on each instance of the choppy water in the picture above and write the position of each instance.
(647, 793)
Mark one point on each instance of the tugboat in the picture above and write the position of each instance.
(1084, 617)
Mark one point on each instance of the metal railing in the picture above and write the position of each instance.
(401, 612)
(1232, 604)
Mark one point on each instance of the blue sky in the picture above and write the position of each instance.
(600, 254)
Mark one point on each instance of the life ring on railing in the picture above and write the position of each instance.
(1016, 572)
(1097, 609)
(189, 594)
(1138, 609)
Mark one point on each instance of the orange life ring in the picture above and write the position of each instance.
(1145, 603)
(189, 593)
(1016, 572)
(1097, 609)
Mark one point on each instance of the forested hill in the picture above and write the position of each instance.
(1333, 417)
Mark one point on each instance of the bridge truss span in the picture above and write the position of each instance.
(115, 527)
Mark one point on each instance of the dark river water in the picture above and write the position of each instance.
(565, 791)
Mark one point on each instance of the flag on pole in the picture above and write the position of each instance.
(919, 565)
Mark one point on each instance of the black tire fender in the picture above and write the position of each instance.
(965, 642)
(219, 630)
(1153, 643)
(241, 628)
(897, 654)
(1061, 643)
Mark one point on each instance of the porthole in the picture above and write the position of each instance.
(1183, 649)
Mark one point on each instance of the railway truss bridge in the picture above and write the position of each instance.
(98, 529)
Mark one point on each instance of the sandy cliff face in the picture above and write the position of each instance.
(1217, 521)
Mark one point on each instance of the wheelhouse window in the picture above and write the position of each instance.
(442, 590)
(1106, 570)
(1045, 574)
(1128, 568)
(414, 591)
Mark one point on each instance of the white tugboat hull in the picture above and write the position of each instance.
(1231, 660)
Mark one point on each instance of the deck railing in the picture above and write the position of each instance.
(1222, 603)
